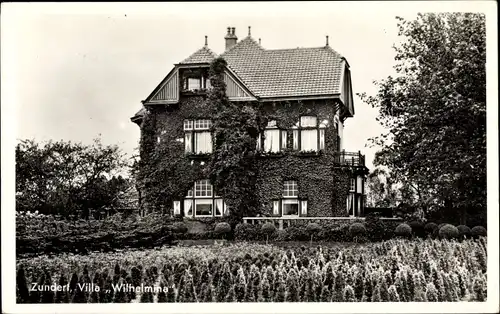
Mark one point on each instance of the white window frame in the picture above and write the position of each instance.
(263, 139)
(290, 196)
(203, 191)
(307, 124)
(192, 130)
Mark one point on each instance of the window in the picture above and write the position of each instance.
(201, 201)
(290, 189)
(290, 207)
(290, 203)
(274, 138)
(197, 136)
(307, 136)
(353, 185)
(193, 83)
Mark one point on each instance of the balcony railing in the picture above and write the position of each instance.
(344, 158)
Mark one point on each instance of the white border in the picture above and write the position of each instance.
(10, 12)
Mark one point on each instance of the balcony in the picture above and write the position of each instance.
(344, 158)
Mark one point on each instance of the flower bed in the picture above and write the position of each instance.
(394, 270)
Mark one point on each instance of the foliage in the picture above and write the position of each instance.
(430, 228)
(264, 273)
(448, 232)
(235, 129)
(435, 113)
(377, 229)
(403, 230)
(357, 229)
(464, 231)
(418, 228)
(47, 234)
(223, 229)
(67, 178)
(179, 227)
(380, 188)
(479, 231)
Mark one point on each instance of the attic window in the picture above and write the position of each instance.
(193, 83)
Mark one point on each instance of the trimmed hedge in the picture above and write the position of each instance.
(222, 229)
(357, 229)
(418, 228)
(464, 231)
(448, 231)
(403, 230)
(431, 228)
(479, 231)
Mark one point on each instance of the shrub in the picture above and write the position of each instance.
(338, 234)
(448, 231)
(294, 233)
(222, 229)
(376, 229)
(268, 229)
(357, 229)
(418, 228)
(464, 231)
(312, 229)
(430, 228)
(403, 230)
(179, 227)
(248, 232)
(479, 231)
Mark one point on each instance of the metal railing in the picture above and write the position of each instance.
(344, 158)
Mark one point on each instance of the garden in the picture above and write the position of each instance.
(151, 260)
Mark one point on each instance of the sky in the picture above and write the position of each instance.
(79, 71)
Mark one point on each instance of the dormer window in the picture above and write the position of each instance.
(195, 79)
(193, 83)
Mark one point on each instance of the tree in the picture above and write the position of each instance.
(435, 112)
(68, 178)
(380, 189)
(233, 169)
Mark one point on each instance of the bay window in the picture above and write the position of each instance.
(197, 136)
(202, 201)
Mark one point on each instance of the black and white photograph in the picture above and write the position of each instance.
(223, 157)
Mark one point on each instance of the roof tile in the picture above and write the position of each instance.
(285, 72)
(203, 55)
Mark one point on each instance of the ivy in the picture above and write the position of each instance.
(233, 167)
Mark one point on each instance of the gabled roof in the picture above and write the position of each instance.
(203, 55)
(286, 72)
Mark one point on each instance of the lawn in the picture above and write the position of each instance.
(394, 270)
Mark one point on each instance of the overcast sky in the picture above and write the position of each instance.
(81, 70)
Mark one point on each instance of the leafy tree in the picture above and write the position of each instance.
(435, 112)
(380, 189)
(68, 178)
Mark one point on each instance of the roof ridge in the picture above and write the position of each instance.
(213, 54)
(328, 48)
(249, 37)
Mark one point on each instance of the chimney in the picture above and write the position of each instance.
(230, 38)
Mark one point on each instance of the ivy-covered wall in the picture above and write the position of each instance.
(324, 185)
